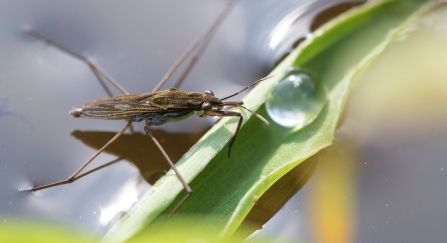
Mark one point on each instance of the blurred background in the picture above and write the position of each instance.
(382, 181)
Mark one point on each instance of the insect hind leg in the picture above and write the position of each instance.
(200, 45)
(96, 69)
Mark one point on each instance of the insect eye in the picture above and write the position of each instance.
(209, 92)
(206, 106)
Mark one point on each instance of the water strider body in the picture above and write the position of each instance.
(157, 108)
(161, 107)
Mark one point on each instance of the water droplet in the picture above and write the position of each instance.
(297, 99)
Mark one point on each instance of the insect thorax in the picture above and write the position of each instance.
(173, 98)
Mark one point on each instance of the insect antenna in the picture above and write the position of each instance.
(256, 82)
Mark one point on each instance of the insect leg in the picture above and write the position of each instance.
(97, 168)
(201, 40)
(242, 90)
(97, 70)
(74, 176)
(209, 33)
(185, 184)
(239, 124)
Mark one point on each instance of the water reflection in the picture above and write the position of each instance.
(120, 204)
(138, 149)
(281, 192)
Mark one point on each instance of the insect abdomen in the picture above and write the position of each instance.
(114, 109)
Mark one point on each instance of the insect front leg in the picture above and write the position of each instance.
(228, 113)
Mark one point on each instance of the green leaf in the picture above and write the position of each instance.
(28, 231)
(225, 190)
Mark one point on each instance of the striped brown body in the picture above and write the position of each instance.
(166, 106)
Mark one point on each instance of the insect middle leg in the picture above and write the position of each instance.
(174, 168)
(75, 177)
